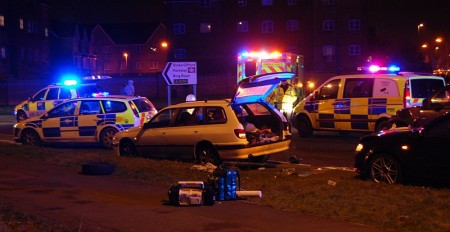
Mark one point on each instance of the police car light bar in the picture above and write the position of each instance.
(97, 77)
(376, 69)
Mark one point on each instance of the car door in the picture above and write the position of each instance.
(327, 104)
(184, 133)
(88, 119)
(152, 139)
(437, 137)
(59, 123)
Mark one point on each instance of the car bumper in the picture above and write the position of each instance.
(243, 152)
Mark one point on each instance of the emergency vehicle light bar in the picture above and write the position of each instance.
(376, 68)
(259, 55)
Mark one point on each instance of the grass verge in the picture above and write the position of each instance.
(337, 194)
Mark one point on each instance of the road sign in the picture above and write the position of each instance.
(180, 73)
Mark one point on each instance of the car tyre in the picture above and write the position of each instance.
(206, 153)
(97, 168)
(30, 137)
(127, 148)
(304, 127)
(21, 115)
(385, 168)
(106, 137)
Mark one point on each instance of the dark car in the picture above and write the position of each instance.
(436, 105)
(404, 153)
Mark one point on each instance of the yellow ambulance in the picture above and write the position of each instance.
(361, 102)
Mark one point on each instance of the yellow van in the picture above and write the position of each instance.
(361, 102)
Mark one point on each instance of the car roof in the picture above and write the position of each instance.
(389, 75)
(222, 102)
(109, 97)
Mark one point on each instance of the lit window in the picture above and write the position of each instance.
(46, 32)
(21, 24)
(354, 25)
(292, 25)
(292, 2)
(354, 50)
(205, 28)
(328, 25)
(242, 26)
(179, 28)
(205, 3)
(180, 54)
(242, 3)
(2, 21)
(267, 2)
(267, 26)
(328, 51)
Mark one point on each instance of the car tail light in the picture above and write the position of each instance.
(240, 133)
(406, 95)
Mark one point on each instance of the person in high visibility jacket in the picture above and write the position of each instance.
(283, 96)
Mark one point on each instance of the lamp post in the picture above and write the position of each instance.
(126, 61)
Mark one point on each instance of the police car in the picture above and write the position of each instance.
(361, 102)
(54, 94)
(85, 120)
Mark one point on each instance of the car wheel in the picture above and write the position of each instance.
(304, 127)
(106, 137)
(206, 153)
(21, 115)
(258, 159)
(127, 148)
(385, 168)
(30, 137)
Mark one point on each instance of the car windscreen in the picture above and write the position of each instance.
(143, 104)
(425, 87)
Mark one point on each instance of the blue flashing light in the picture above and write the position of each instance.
(70, 80)
(393, 68)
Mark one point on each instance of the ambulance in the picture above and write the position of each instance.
(361, 102)
(255, 66)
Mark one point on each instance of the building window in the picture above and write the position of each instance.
(138, 65)
(242, 26)
(153, 64)
(205, 3)
(328, 52)
(292, 25)
(3, 52)
(267, 2)
(179, 28)
(267, 26)
(21, 24)
(205, 28)
(292, 2)
(46, 32)
(242, 3)
(354, 25)
(180, 54)
(354, 50)
(2, 21)
(328, 25)
(328, 2)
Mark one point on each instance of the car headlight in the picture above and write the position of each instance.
(359, 147)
